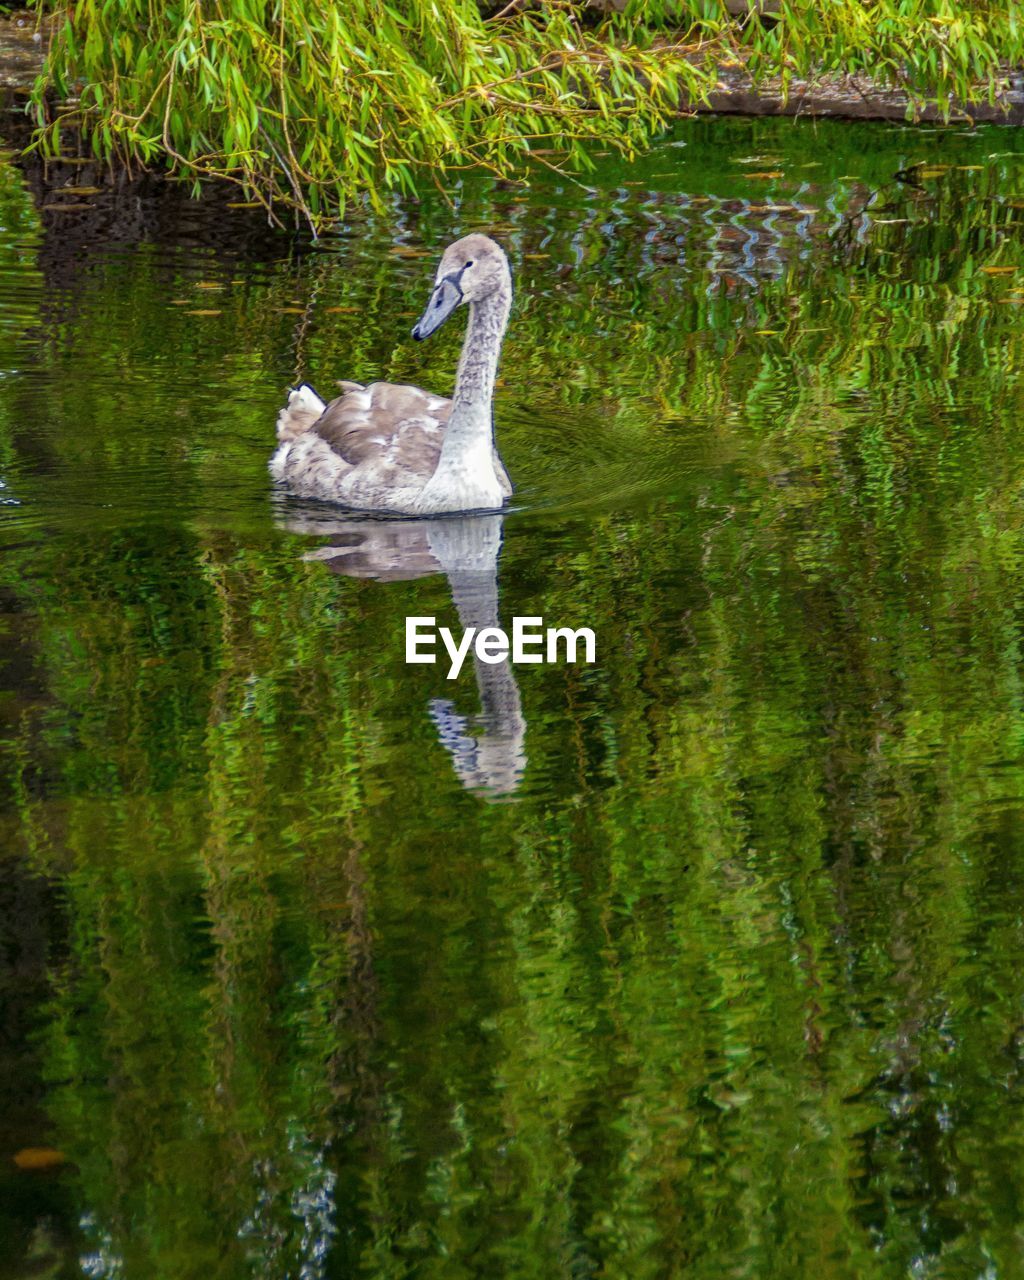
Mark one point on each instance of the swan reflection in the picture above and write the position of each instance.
(487, 749)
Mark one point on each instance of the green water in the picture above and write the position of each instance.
(703, 961)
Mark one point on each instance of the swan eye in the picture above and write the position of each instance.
(469, 263)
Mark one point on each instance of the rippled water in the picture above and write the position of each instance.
(701, 961)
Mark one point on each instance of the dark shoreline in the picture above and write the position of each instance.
(852, 98)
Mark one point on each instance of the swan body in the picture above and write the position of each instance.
(394, 448)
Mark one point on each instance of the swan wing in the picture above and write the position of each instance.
(387, 424)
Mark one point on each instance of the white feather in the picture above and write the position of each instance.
(304, 397)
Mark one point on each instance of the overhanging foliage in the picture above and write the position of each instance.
(308, 103)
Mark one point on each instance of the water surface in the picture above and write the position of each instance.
(702, 961)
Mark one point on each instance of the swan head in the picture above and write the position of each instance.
(470, 269)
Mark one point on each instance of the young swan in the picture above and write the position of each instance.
(391, 447)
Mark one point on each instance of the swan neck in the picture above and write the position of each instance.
(478, 366)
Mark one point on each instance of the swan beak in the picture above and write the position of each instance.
(443, 301)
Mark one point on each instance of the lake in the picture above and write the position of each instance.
(703, 960)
